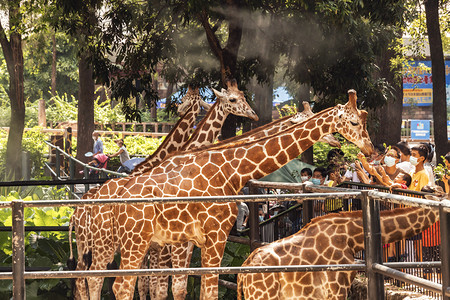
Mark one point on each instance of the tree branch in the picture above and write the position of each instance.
(6, 45)
(211, 37)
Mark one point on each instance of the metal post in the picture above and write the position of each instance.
(373, 246)
(253, 219)
(57, 163)
(307, 208)
(86, 175)
(72, 173)
(18, 249)
(444, 217)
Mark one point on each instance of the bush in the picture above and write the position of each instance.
(33, 143)
(42, 249)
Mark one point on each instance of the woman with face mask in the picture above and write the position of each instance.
(391, 158)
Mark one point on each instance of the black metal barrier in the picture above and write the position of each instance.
(370, 206)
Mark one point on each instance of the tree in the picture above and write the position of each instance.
(438, 70)
(13, 53)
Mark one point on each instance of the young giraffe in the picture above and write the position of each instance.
(209, 173)
(181, 253)
(327, 240)
(189, 109)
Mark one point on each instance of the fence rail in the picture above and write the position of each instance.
(374, 267)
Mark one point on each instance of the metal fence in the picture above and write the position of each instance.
(373, 265)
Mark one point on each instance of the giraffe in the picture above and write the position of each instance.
(210, 172)
(327, 240)
(182, 252)
(189, 109)
(231, 100)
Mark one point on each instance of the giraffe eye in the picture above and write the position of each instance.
(354, 123)
(232, 100)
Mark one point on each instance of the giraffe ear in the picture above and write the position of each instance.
(352, 98)
(218, 94)
(306, 107)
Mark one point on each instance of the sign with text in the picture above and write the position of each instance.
(418, 83)
(420, 129)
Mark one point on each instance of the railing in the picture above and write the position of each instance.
(374, 267)
(72, 160)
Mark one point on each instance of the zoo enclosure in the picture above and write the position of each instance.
(373, 266)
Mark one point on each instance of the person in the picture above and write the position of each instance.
(123, 155)
(98, 143)
(305, 174)
(405, 154)
(427, 164)
(319, 176)
(402, 181)
(242, 217)
(391, 158)
(446, 177)
(419, 178)
(100, 161)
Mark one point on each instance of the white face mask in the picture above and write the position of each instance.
(94, 138)
(414, 160)
(304, 178)
(389, 161)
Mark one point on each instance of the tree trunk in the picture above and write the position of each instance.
(227, 56)
(13, 53)
(438, 71)
(53, 87)
(390, 114)
(85, 109)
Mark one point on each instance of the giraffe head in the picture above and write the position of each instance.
(351, 123)
(305, 114)
(190, 98)
(233, 101)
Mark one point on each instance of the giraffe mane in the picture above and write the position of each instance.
(203, 121)
(355, 214)
(162, 146)
(226, 144)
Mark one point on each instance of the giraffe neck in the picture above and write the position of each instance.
(176, 138)
(347, 227)
(396, 224)
(208, 129)
(261, 157)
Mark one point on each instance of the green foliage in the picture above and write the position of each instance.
(321, 150)
(33, 143)
(42, 249)
(441, 169)
(234, 255)
(134, 144)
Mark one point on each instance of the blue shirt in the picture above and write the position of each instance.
(98, 146)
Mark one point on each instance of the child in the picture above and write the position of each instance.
(419, 178)
(402, 181)
(305, 174)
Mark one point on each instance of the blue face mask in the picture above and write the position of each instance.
(376, 162)
(315, 181)
(261, 218)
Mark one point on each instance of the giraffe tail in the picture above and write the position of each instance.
(71, 262)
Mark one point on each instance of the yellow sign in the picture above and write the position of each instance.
(418, 97)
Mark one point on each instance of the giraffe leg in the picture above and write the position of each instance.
(143, 281)
(163, 261)
(212, 254)
(129, 259)
(181, 258)
(154, 264)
